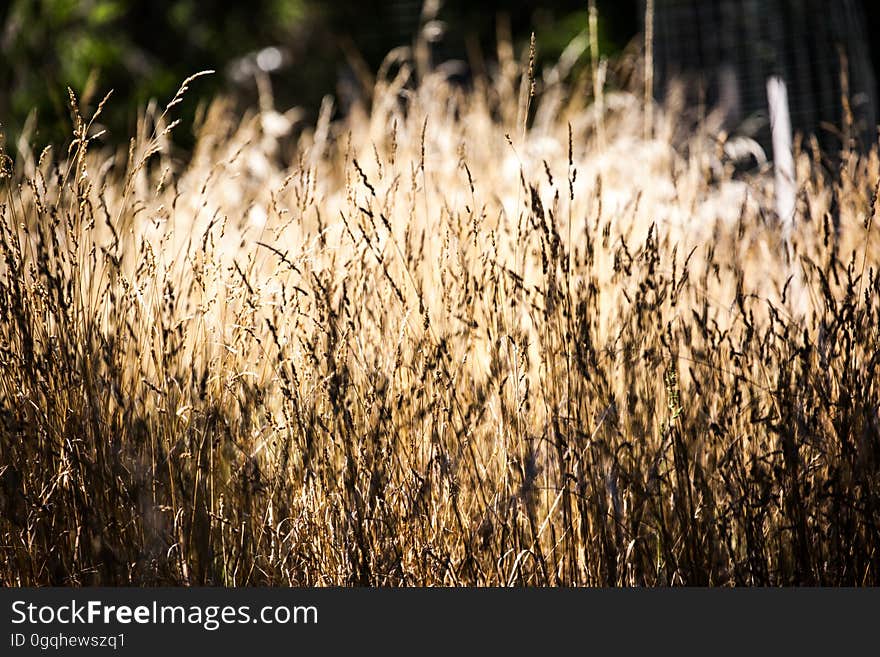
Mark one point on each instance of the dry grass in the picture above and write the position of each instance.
(447, 346)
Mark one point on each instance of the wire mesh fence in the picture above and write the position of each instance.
(723, 52)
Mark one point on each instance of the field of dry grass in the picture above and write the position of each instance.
(468, 337)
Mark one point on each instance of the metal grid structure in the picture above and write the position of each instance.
(725, 50)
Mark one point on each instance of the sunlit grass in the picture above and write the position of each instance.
(446, 345)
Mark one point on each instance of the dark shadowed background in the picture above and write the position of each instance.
(310, 48)
(144, 49)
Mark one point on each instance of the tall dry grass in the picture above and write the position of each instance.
(460, 340)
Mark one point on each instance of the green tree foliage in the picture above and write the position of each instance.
(138, 49)
(143, 50)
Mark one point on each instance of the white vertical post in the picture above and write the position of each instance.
(649, 70)
(783, 157)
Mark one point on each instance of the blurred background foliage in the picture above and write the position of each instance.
(143, 50)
